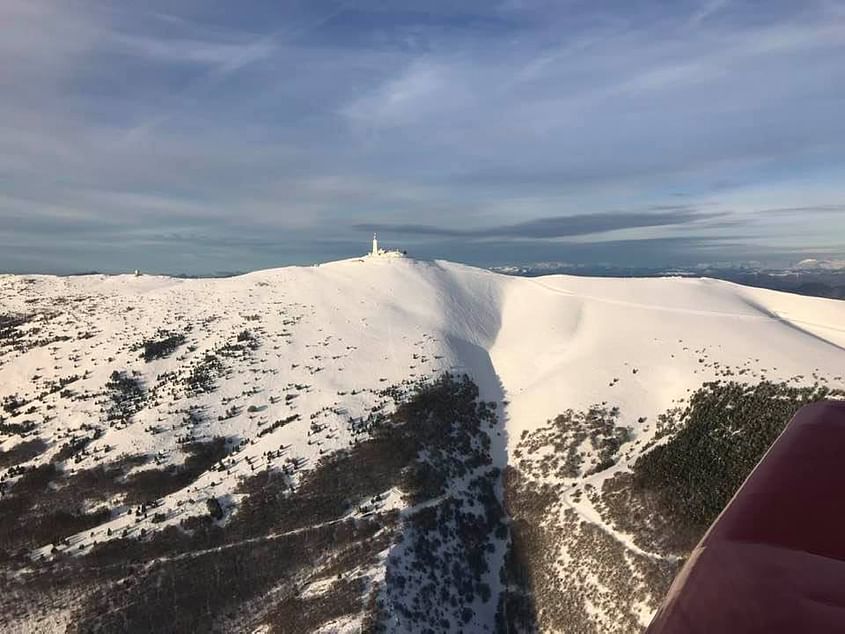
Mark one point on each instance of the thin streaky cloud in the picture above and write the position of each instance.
(260, 48)
(556, 227)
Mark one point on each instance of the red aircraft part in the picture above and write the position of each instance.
(774, 560)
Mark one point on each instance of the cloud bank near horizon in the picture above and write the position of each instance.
(556, 226)
(228, 138)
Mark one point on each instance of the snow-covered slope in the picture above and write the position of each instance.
(564, 340)
(291, 355)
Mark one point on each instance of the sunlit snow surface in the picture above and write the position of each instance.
(331, 337)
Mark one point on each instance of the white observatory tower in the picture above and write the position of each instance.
(381, 253)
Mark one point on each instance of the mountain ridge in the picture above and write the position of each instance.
(287, 366)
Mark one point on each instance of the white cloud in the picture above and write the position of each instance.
(225, 55)
(708, 9)
(424, 89)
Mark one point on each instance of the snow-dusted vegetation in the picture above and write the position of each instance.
(596, 550)
(297, 449)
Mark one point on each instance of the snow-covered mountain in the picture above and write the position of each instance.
(155, 432)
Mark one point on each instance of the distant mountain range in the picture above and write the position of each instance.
(816, 278)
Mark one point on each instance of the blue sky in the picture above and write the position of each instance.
(201, 137)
